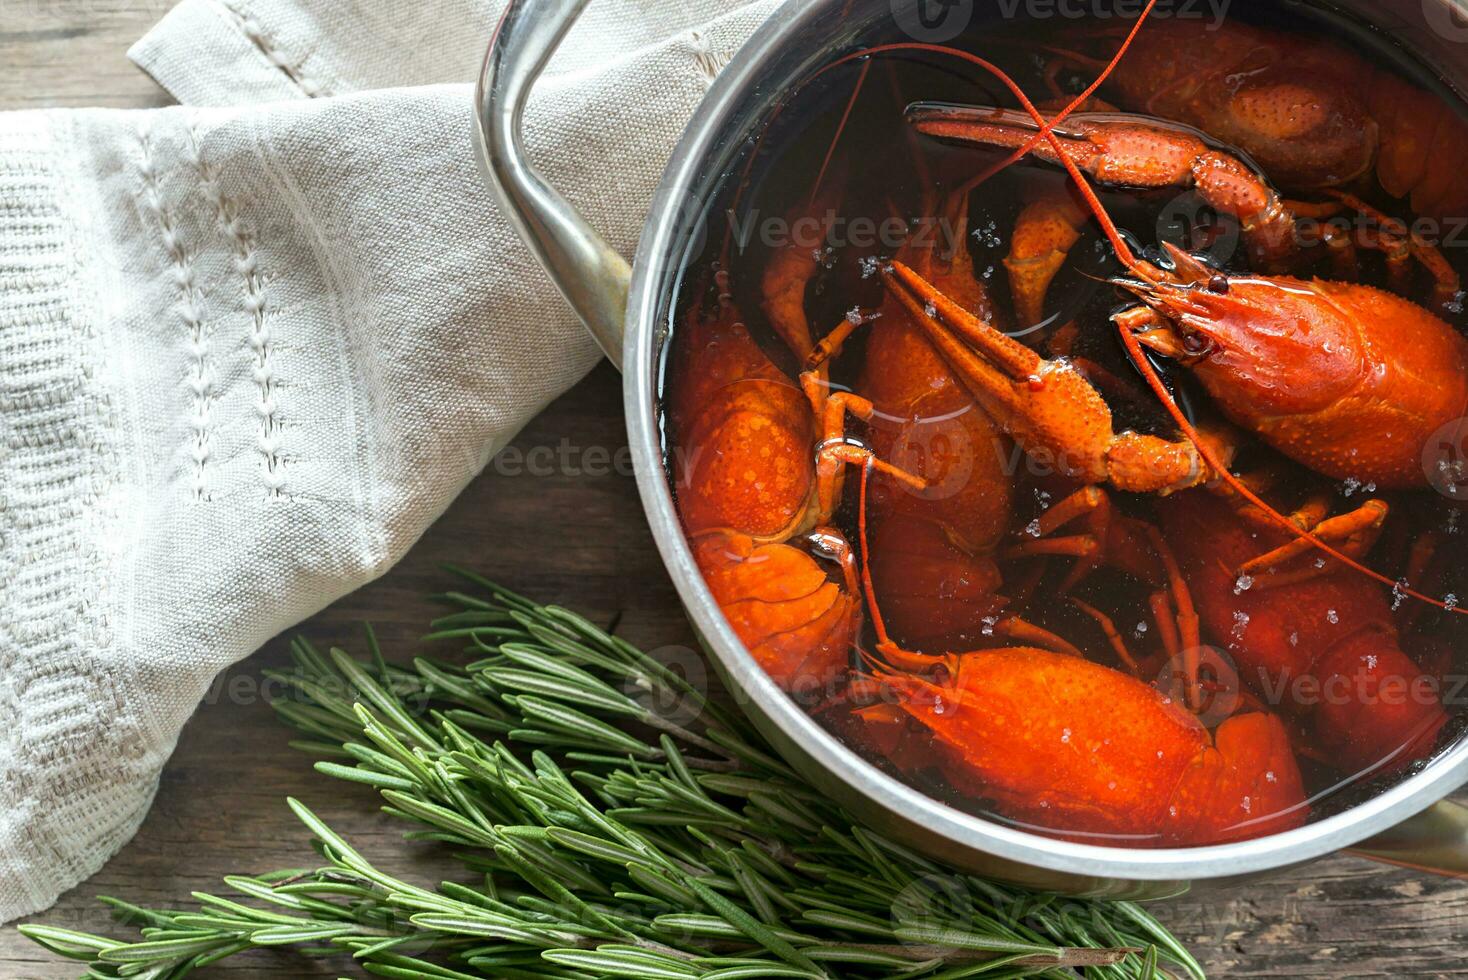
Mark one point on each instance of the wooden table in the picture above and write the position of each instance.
(577, 539)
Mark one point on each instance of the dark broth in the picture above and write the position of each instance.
(881, 170)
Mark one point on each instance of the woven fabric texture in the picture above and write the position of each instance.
(252, 346)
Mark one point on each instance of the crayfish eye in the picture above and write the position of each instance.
(1196, 344)
(1218, 284)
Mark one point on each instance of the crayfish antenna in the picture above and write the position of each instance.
(825, 163)
(861, 81)
(874, 665)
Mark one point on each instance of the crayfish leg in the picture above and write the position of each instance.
(1324, 651)
(1354, 534)
(1090, 508)
(834, 452)
(1113, 636)
(1029, 634)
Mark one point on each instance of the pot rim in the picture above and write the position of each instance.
(642, 369)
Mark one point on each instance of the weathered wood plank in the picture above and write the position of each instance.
(74, 53)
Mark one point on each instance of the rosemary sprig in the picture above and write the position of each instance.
(617, 822)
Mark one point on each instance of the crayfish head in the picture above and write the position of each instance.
(1186, 308)
(1259, 344)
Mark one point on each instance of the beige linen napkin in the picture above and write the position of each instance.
(250, 349)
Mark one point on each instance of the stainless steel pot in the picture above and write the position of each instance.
(626, 310)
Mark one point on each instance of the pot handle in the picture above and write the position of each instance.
(589, 273)
(1435, 841)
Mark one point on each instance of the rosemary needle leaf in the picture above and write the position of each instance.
(381, 699)
(356, 774)
(153, 951)
(619, 964)
(460, 688)
(65, 942)
(756, 970)
(597, 696)
(750, 926)
(693, 854)
(481, 927)
(309, 932)
(594, 846)
(958, 939)
(407, 968)
(1175, 950)
(595, 733)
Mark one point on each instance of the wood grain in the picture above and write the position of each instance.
(74, 53)
(572, 535)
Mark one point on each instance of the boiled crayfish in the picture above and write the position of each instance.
(1323, 649)
(1313, 114)
(932, 559)
(1020, 728)
(758, 464)
(1319, 121)
(933, 562)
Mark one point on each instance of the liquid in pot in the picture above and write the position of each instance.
(1131, 520)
